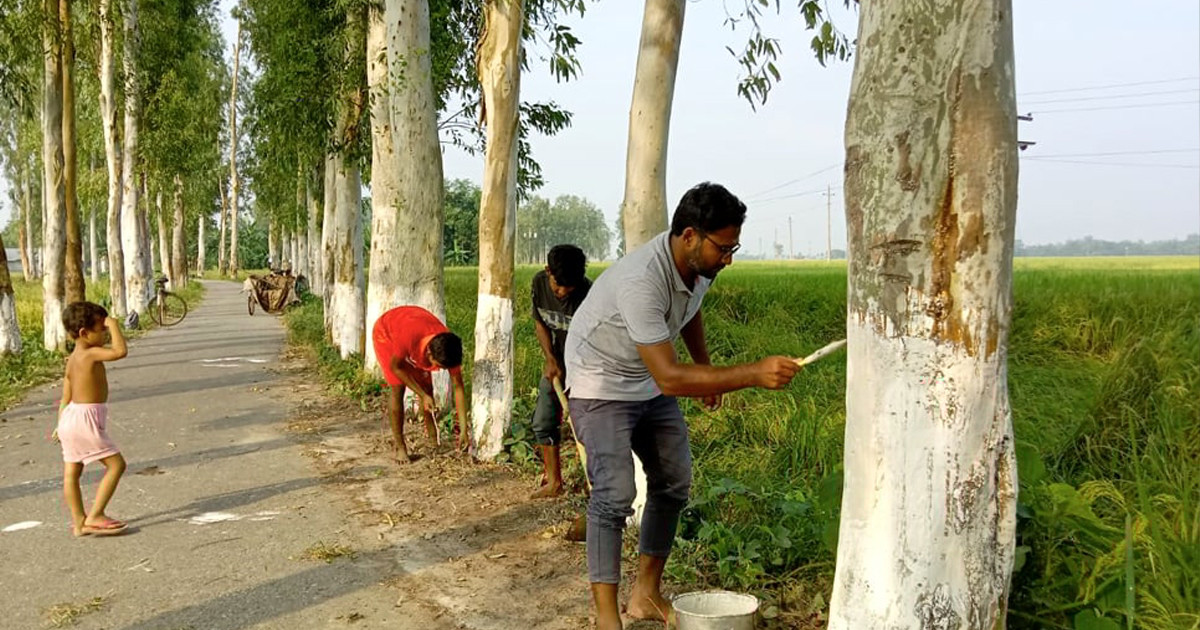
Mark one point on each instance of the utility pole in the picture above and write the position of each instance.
(791, 251)
(828, 222)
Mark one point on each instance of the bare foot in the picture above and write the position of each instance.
(548, 491)
(402, 457)
(578, 530)
(653, 607)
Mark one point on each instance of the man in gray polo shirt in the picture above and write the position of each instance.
(623, 377)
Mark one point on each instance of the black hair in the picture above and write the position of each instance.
(446, 349)
(707, 207)
(567, 264)
(79, 315)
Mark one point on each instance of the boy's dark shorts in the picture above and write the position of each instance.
(547, 416)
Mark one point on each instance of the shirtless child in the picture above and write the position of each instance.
(83, 416)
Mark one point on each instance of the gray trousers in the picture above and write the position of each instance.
(610, 430)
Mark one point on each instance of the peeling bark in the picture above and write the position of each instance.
(645, 203)
(928, 509)
(134, 234)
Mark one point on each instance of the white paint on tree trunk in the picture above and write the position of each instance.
(201, 254)
(645, 203)
(164, 247)
(332, 162)
(491, 379)
(112, 159)
(233, 141)
(929, 502)
(347, 317)
(222, 263)
(10, 332)
(312, 245)
(179, 266)
(93, 264)
(133, 229)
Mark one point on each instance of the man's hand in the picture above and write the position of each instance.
(111, 323)
(711, 403)
(428, 404)
(776, 372)
(552, 370)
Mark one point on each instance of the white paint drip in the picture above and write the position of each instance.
(16, 527)
(208, 518)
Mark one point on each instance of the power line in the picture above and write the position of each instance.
(1096, 109)
(795, 181)
(1098, 163)
(1075, 155)
(1109, 86)
(1111, 96)
(793, 195)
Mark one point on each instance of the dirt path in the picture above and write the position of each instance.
(244, 478)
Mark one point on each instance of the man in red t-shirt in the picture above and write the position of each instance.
(410, 343)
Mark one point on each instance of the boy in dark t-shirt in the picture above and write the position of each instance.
(557, 291)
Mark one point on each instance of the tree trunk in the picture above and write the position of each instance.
(645, 204)
(54, 226)
(407, 188)
(272, 244)
(75, 289)
(928, 510)
(222, 264)
(25, 229)
(347, 256)
(93, 257)
(133, 227)
(500, 76)
(327, 237)
(10, 332)
(313, 247)
(164, 243)
(179, 265)
(233, 174)
(108, 123)
(201, 254)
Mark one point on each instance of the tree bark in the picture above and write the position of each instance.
(164, 247)
(272, 244)
(233, 174)
(929, 502)
(201, 254)
(54, 236)
(327, 238)
(407, 215)
(93, 256)
(222, 263)
(75, 288)
(25, 229)
(10, 332)
(314, 232)
(112, 155)
(133, 229)
(179, 264)
(500, 76)
(645, 203)
(347, 255)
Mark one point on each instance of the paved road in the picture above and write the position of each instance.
(220, 500)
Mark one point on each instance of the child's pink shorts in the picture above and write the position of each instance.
(81, 430)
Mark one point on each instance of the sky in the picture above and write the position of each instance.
(1114, 91)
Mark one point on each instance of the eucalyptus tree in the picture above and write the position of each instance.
(10, 332)
(929, 504)
(54, 226)
(112, 155)
(134, 229)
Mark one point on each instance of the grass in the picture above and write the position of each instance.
(1104, 377)
(36, 365)
(68, 614)
(327, 553)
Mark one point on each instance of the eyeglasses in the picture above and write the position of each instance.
(726, 250)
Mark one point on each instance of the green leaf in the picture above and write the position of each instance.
(1091, 620)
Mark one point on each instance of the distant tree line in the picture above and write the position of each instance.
(1088, 246)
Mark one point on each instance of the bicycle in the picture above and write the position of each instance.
(166, 308)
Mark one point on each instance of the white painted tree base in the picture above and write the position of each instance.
(492, 379)
(347, 320)
(10, 333)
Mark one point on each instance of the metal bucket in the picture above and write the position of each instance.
(715, 610)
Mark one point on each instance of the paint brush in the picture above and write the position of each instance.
(822, 353)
